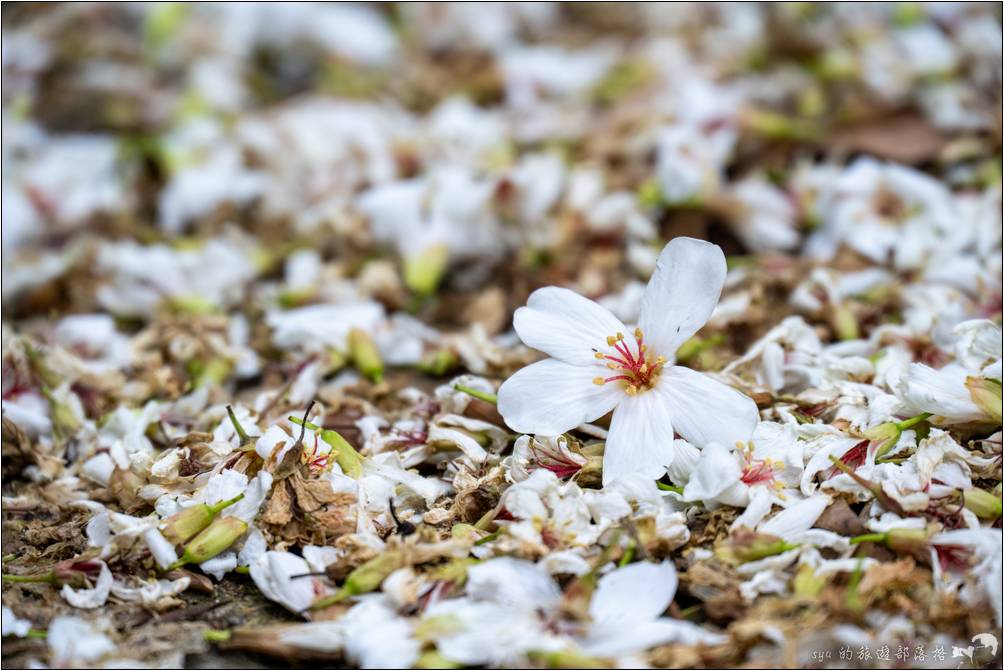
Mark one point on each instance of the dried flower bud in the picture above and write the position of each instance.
(983, 504)
(986, 394)
(746, 546)
(438, 362)
(845, 323)
(65, 422)
(213, 540)
(591, 475)
(75, 573)
(350, 461)
(423, 271)
(908, 541)
(125, 485)
(184, 524)
(210, 373)
(365, 578)
(885, 436)
(364, 355)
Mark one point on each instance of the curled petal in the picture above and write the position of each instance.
(715, 473)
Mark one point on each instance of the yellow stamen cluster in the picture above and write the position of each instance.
(635, 369)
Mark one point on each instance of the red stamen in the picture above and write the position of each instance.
(854, 457)
(639, 370)
(953, 557)
(622, 362)
(758, 473)
(625, 352)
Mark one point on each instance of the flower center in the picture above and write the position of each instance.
(562, 464)
(759, 471)
(637, 370)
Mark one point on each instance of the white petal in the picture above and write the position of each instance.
(150, 592)
(705, 410)
(323, 636)
(685, 460)
(510, 581)
(273, 575)
(387, 466)
(254, 547)
(550, 397)
(682, 293)
(565, 325)
(636, 592)
(796, 518)
(760, 503)
(257, 490)
(272, 438)
(376, 637)
(565, 562)
(633, 637)
(12, 625)
(162, 550)
(716, 471)
(74, 641)
(219, 565)
(223, 486)
(90, 598)
(641, 438)
(319, 557)
(941, 392)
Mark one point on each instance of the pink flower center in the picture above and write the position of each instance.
(559, 463)
(854, 457)
(760, 471)
(953, 557)
(637, 370)
(315, 460)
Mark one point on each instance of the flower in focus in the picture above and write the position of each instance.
(596, 369)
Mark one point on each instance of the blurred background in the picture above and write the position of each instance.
(174, 154)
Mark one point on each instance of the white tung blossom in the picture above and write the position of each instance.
(595, 369)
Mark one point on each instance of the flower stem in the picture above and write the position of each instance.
(483, 395)
(876, 489)
(244, 437)
(37, 633)
(669, 488)
(851, 598)
(215, 508)
(216, 635)
(869, 538)
(300, 422)
(489, 538)
(913, 421)
(628, 554)
(42, 577)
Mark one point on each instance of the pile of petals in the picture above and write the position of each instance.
(503, 335)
